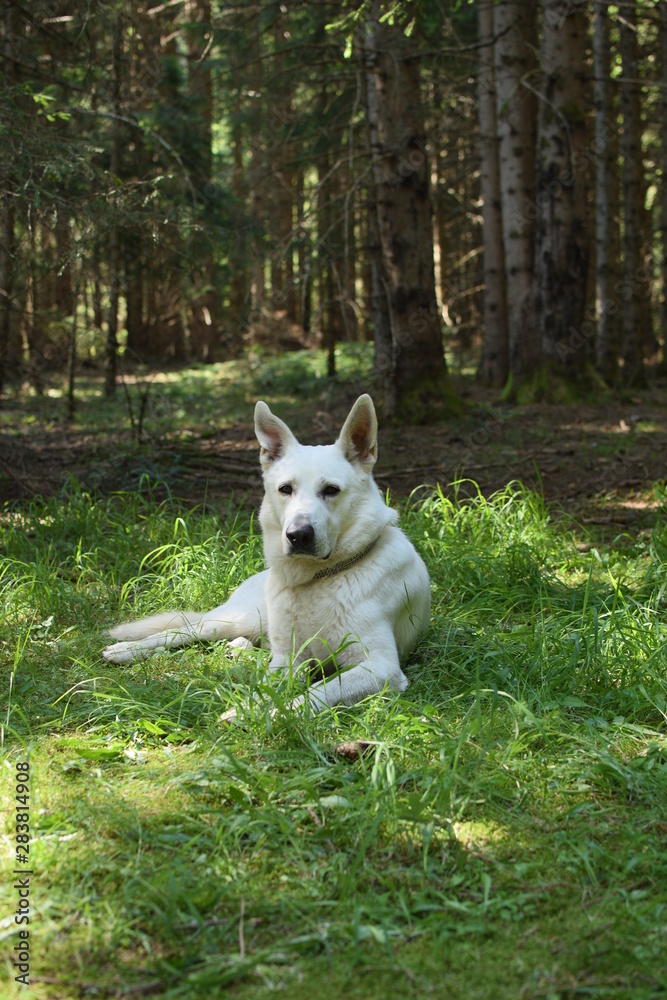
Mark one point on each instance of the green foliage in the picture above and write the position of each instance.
(199, 399)
(521, 777)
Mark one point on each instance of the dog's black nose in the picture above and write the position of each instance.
(300, 534)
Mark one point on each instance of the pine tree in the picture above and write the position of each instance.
(561, 237)
(409, 353)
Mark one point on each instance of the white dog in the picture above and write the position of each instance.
(343, 585)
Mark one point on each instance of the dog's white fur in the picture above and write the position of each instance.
(321, 510)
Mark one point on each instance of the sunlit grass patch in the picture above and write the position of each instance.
(192, 400)
(508, 812)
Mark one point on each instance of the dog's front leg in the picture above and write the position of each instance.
(140, 649)
(242, 630)
(280, 661)
(355, 684)
(378, 670)
(242, 615)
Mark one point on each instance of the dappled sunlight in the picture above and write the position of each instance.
(191, 430)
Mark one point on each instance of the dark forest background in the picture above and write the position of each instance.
(476, 180)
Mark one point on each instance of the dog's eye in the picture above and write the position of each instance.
(285, 489)
(331, 490)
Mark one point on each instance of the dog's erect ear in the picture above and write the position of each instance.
(359, 436)
(273, 435)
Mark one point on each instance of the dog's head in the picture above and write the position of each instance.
(314, 493)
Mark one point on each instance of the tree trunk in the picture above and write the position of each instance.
(283, 294)
(257, 158)
(164, 336)
(349, 290)
(383, 363)
(416, 362)
(205, 304)
(6, 278)
(111, 357)
(64, 291)
(605, 304)
(439, 198)
(72, 353)
(331, 248)
(494, 366)
(285, 181)
(153, 341)
(365, 267)
(35, 323)
(7, 214)
(514, 27)
(632, 347)
(325, 251)
(561, 238)
(98, 314)
(304, 256)
(134, 293)
(663, 192)
(238, 279)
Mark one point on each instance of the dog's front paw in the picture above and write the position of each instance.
(237, 646)
(315, 704)
(123, 652)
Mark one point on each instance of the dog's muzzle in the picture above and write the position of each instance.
(301, 536)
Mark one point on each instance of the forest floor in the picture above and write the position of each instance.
(191, 433)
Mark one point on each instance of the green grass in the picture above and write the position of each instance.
(193, 400)
(504, 837)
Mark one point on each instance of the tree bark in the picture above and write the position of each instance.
(304, 256)
(64, 290)
(256, 124)
(72, 353)
(7, 213)
(349, 267)
(494, 365)
(98, 314)
(439, 197)
(663, 192)
(514, 27)
(633, 276)
(282, 117)
(326, 252)
(605, 304)
(238, 279)
(205, 304)
(111, 357)
(6, 278)
(561, 237)
(285, 181)
(415, 360)
(35, 324)
(134, 293)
